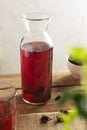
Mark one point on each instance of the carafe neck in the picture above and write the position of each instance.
(36, 22)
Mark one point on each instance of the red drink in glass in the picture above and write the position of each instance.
(7, 120)
(36, 69)
(7, 107)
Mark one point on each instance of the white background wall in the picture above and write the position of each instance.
(69, 26)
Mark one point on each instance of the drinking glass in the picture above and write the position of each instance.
(7, 107)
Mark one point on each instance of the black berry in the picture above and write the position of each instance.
(64, 111)
(45, 119)
(58, 120)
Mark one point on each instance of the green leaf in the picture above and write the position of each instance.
(65, 97)
(67, 119)
(81, 104)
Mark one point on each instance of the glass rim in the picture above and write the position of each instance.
(10, 86)
(36, 16)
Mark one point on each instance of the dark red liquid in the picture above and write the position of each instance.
(36, 67)
(7, 119)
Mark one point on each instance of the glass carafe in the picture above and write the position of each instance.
(36, 52)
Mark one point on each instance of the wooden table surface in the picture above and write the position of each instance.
(61, 80)
(28, 116)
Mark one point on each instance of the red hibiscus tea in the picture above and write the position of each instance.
(7, 108)
(36, 69)
(7, 120)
